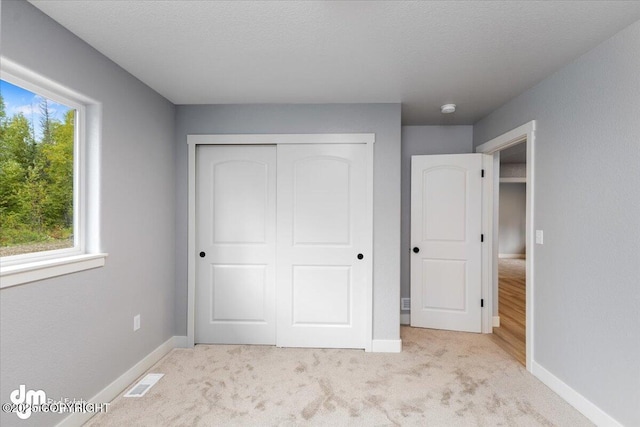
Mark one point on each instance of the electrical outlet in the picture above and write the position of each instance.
(136, 322)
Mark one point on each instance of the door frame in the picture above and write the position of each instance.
(524, 133)
(274, 139)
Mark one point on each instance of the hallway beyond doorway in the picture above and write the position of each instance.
(510, 336)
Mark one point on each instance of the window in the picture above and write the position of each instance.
(43, 197)
(37, 144)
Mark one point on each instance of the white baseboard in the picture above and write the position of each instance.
(405, 319)
(575, 399)
(386, 346)
(111, 391)
(513, 256)
(496, 321)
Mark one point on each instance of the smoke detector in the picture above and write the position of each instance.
(448, 108)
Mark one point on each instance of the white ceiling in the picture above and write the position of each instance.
(476, 54)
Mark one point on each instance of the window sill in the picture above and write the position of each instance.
(39, 270)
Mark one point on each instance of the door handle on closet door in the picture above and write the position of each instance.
(416, 250)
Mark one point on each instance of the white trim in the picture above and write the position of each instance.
(386, 346)
(493, 147)
(509, 139)
(496, 321)
(487, 247)
(575, 399)
(370, 140)
(272, 139)
(512, 256)
(405, 318)
(120, 384)
(513, 180)
(19, 274)
(191, 248)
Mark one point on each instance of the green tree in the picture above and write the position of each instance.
(45, 121)
(32, 197)
(18, 142)
(3, 113)
(11, 181)
(58, 160)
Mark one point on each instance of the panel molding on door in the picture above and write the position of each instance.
(322, 285)
(446, 227)
(236, 217)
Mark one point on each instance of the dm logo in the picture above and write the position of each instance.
(26, 399)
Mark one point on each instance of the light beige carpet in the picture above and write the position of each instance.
(440, 379)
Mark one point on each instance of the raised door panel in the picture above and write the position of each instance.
(240, 201)
(444, 203)
(321, 201)
(321, 295)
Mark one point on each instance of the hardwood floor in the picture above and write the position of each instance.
(511, 335)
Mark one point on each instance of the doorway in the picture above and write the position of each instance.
(509, 332)
(523, 134)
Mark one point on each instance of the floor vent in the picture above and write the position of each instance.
(405, 304)
(144, 385)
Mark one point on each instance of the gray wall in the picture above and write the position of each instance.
(72, 335)
(587, 201)
(381, 119)
(512, 218)
(420, 140)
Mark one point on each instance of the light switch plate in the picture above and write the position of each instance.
(539, 237)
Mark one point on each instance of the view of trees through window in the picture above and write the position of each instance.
(36, 172)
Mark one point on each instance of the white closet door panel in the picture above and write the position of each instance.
(236, 220)
(322, 228)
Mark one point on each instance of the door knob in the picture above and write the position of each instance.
(360, 256)
(416, 250)
(202, 254)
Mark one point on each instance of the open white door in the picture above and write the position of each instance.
(236, 241)
(323, 236)
(446, 228)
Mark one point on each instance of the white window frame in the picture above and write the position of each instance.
(25, 268)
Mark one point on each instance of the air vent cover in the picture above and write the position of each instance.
(144, 385)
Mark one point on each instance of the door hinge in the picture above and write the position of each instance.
(482, 173)
(482, 237)
(482, 303)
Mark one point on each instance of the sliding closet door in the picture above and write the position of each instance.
(323, 234)
(236, 241)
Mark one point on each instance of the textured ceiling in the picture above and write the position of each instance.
(423, 54)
